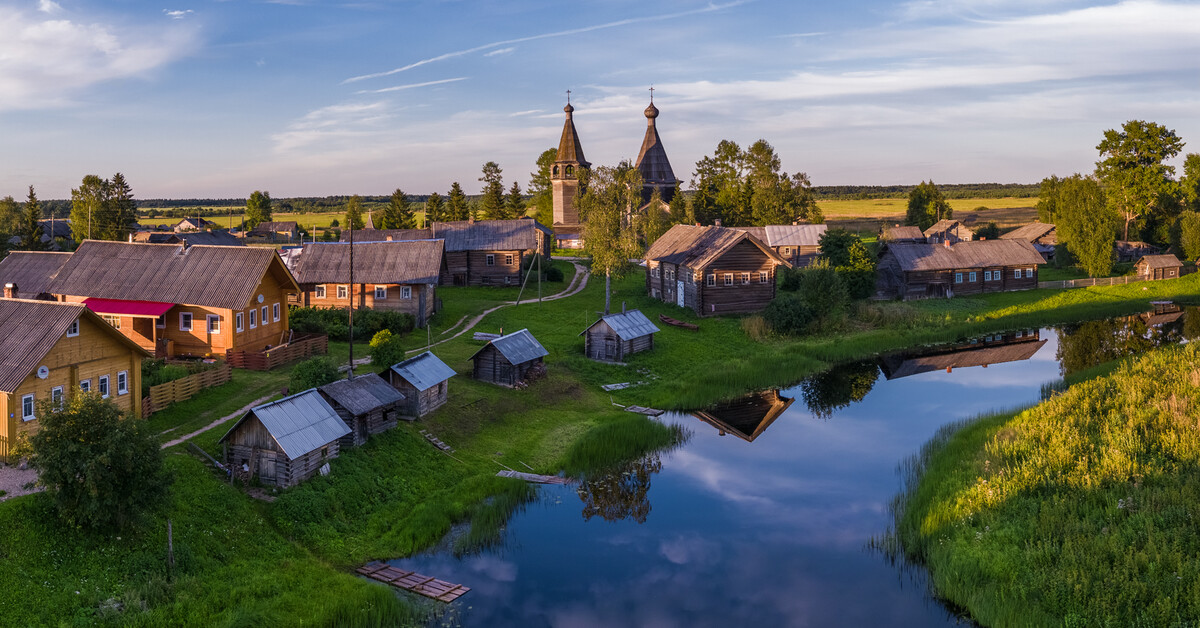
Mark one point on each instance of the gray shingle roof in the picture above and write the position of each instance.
(569, 148)
(31, 271)
(652, 158)
(424, 371)
(627, 325)
(385, 235)
(487, 235)
(1160, 261)
(518, 347)
(301, 423)
(218, 237)
(362, 394)
(696, 247)
(1030, 232)
(973, 254)
(402, 262)
(795, 235)
(903, 233)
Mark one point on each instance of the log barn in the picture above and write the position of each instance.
(1153, 267)
(712, 270)
(367, 404)
(424, 381)
(950, 231)
(746, 417)
(489, 252)
(50, 350)
(918, 271)
(1042, 235)
(512, 360)
(799, 245)
(615, 336)
(396, 276)
(285, 442)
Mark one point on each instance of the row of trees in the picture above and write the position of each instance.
(103, 209)
(747, 188)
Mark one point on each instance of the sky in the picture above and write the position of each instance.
(217, 98)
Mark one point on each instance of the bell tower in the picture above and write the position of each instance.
(652, 160)
(564, 173)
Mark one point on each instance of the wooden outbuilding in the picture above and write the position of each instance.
(1152, 267)
(799, 245)
(489, 252)
(901, 233)
(386, 235)
(512, 360)
(424, 381)
(285, 442)
(1132, 250)
(951, 231)
(746, 417)
(615, 336)
(918, 271)
(1042, 235)
(284, 231)
(48, 351)
(712, 270)
(367, 404)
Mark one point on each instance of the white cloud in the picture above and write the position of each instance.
(335, 127)
(398, 88)
(501, 51)
(178, 14)
(49, 6)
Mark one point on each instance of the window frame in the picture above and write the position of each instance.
(73, 329)
(958, 277)
(239, 321)
(763, 276)
(710, 280)
(253, 318)
(381, 293)
(85, 385)
(161, 321)
(745, 279)
(489, 259)
(263, 319)
(102, 385)
(406, 292)
(57, 396)
(275, 311)
(212, 323)
(190, 320)
(122, 383)
(727, 279)
(974, 276)
(31, 401)
(319, 291)
(113, 320)
(508, 259)
(987, 275)
(1016, 273)
(343, 291)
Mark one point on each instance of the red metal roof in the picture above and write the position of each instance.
(118, 307)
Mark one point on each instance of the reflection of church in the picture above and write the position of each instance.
(652, 162)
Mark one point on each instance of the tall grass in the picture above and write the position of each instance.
(620, 440)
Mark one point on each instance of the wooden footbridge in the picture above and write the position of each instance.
(428, 586)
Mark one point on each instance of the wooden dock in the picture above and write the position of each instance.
(428, 586)
(645, 411)
(533, 477)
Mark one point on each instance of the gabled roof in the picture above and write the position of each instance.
(487, 235)
(402, 262)
(1029, 232)
(286, 225)
(972, 254)
(158, 237)
(192, 223)
(216, 237)
(1160, 261)
(301, 423)
(424, 371)
(652, 158)
(627, 325)
(942, 226)
(902, 233)
(746, 417)
(385, 235)
(31, 271)
(569, 148)
(362, 394)
(213, 276)
(961, 356)
(517, 347)
(29, 330)
(55, 228)
(695, 247)
(795, 235)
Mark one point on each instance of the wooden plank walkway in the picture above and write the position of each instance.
(436, 442)
(645, 411)
(533, 477)
(428, 586)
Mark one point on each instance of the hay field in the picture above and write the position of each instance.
(868, 215)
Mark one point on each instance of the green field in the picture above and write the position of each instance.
(868, 215)
(308, 221)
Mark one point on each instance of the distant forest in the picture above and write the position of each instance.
(948, 190)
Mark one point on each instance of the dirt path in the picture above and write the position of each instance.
(13, 481)
(219, 421)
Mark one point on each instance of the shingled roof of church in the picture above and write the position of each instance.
(569, 148)
(652, 158)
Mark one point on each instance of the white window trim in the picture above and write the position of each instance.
(711, 280)
(763, 276)
(31, 415)
(1017, 274)
(490, 260)
(343, 291)
(188, 317)
(381, 293)
(85, 385)
(73, 330)
(406, 292)
(161, 321)
(103, 387)
(212, 323)
(239, 321)
(253, 318)
(263, 319)
(122, 382)
(728, 279)
(57, 391)
(745, 279)
(275, 311)
(319, 292)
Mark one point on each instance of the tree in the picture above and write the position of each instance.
(313, 372)
(610, 194)
(838, 387)
(354, 217)
(515, 203)
(100, 468)
(541, 189)
(435, 207)
(926, 205)
(456, 205)
(386, 350)
(123, 212)
(747, 188)
(1047, 205)
(1133, 168)
(1189, 184)
(1087, 224)
(621, 492)
(492, 205)
(680, 212)
(10, 217)
(1189, 234)
(656, 221)
(834, 246)
(851, 260)
(989, 231)
(398, 214)
(87, 207)
(31, 227)
(258, 209)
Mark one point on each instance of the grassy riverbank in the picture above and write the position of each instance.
(1080, 511)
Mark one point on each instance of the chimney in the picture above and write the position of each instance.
(717, 222)
(697, 224)
(982, 239)
(131, 236)
(946, 243)
(622, 307)
(10, 290)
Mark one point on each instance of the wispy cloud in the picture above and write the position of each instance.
(501, 51)
(332, 126)
(398, 88)
(178, 14)
(574, 31)
(528, 112)
(49, 6)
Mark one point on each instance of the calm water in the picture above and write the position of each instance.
(726, 531)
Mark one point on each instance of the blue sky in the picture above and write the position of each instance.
(205, 98)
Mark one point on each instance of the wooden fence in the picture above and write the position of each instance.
(182, 389)
(299, 348)
(3, 448)
(1089, 282)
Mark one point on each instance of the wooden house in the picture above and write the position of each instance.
(1132, 250)
(386, 235)
(399, 276)
(798, 245)
(615, 336)
(903, 234)
(1042, 235)
(27, 274)
(746, 417)
(216, 237)
(1152, 267)
(712, 270)
(48, 351)
(424, 382)
(178, 300)
(285, 231)
(950, 231)
(917, 271)
(1014, 346)
(367, 405)
(489, 252)
(512, 360)
(192, 224)
(285, 442)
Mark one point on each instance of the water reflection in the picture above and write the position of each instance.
(746, 417)
(838, 387)
(994, 349)
(1084, 345)
(620, 493)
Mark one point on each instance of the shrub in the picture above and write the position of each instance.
(789, 315)
(315, 371)
(823, 290)
(554, 273)
(989, 231)
(335, 322)
(385, 350)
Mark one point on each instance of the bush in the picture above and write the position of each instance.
(335, 322)
(554, 273)
(823, 290)
(385, 351)
(313, 372)
(989, 231)
(789, 314)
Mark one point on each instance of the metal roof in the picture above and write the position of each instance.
(652, 158)
(569, 148)
(424, 371)
(362, 394)
(301, 423)
(517, 347)
(627, 325)
(972, 254)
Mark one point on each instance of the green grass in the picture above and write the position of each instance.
(309, 221)
(1079, 511)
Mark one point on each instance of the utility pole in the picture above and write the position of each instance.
(350, 373)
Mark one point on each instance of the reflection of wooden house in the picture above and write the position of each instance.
(1042, 235)
(1152, 267)
(995, 349)
(512, 360)
(367, 404)
(285, 442)
(424, 380)
(1163, 314)
(489, 252)
(799, 245)
(948, 231)
(917, 271)
(747, 417)
(29, 273)
(615, 336)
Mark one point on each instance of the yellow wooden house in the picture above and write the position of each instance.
(49, 350)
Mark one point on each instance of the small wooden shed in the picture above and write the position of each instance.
(1153, 267)
(511, 360)
(367, 404)
(424, 382)
(616, 336)
(285, 442)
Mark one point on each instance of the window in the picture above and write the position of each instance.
(491, 259)
(264, 319)
(728, 279)
(27, 408)
(319, 292)
(380, 293)
(85, 385)
(73, 330)
(987, 275)
(253, 318)
(238, 320)
(104, 386)
(508, 259)
(763, 276)
(973, 276)
(342, 293)
(406, 292)
(115, 321)
(185, 321)
(214, 323)
(1029, 272)
(787, 250)
(324, 452)
(123, 382)
(161, 322)
(711, 280)
(745, 278)
(654, 272)
(56, 396)
(1017, 274)
(275, 312)
(957, 277)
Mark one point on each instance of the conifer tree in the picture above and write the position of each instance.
(492, 204)
(398, 214)
(434, 208)
(123, 209)
(31, 228)
(456, 205)
(540, 187)
(514, 203)
(354, 217)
